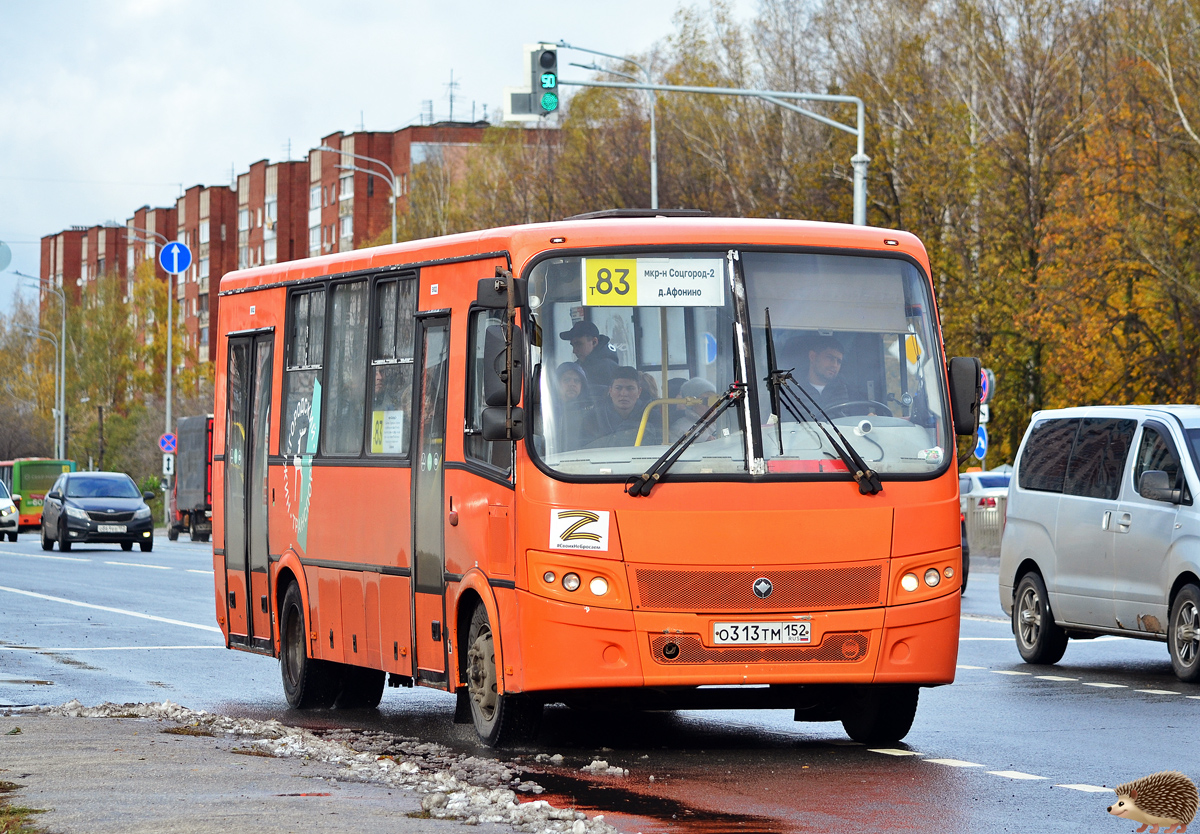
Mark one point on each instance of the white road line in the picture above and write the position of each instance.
(1194, 697)
(989, 639)
(206, 572)
(1086, 788)
(138, 565)
(41, 649)
(1014, 774)
(964, 666)
(1105, 686)
(1008, 672)
(44, 556)
(892, 751)
(984, 618)
(1158, 691)
(110, 610)
(1054, 678)
(953, 762)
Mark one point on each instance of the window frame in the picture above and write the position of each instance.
(288, 370)
(326, 401)
(372, 362)
(1169, 439)
(482, 466)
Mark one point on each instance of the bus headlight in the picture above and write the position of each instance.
(598, 586)
(548, 577)
(571, 582)
(932, 577)
(909, 582)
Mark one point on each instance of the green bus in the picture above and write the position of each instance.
(31, 479)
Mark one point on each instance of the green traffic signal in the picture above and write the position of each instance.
(549, 102)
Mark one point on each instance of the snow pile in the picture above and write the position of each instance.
(455, 786)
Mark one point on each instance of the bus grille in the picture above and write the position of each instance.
(807, 589)
(835, 647)
(100, 515)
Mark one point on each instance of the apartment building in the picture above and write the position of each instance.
(206, 222)
(272, 213)
(74, 259)
(142, 241)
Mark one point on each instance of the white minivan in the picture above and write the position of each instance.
(1103, 533)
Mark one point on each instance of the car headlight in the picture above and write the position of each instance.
(75, 512)
(7, 511)
(144, 512)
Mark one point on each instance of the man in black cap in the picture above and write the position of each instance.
(592, 351)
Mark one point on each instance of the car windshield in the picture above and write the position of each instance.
(629, 350)
(859, 336)
(3, 491)
(85, 487)
(994, 481)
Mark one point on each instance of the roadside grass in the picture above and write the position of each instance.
(15, 819)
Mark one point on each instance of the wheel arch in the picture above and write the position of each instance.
(1187, 577)
(290, 570)
(473, 592)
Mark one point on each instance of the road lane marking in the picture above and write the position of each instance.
(1008, 672)
(1014, 774)
(193, 570)
(1105, 685)
(138, 565)
(989, 639)
(1158, 691)
(964, 666)
(40, 649)
(953, 762)
(892, 751)
(984, 618)
(44, 556)
(1086, 788)
(110, 610)
(1054, 678)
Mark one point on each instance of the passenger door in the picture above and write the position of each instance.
(1145, 531)
(428, 497)
(50, 507)
(1083, 586)
(247, 599)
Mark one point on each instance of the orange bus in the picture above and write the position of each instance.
(623, 461)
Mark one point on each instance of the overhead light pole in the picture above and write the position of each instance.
(392, 183)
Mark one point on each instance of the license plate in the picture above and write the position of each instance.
(110, 528)
(755, 633)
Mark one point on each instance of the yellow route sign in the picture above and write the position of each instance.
(610, 282)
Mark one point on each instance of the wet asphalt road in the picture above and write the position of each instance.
(1007, 747)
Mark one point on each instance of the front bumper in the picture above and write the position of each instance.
(9, 523)
(137, 530)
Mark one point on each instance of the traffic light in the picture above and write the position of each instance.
(545, 79)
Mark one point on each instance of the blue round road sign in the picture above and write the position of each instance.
(981, 442)
(175, 257)
(167, 443)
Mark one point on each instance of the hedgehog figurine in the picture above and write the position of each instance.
(1161, 799)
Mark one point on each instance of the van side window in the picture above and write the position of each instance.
(305, 353)
(1156, 452)
(346, 380)
(498, 453)
(1098, 458)
(1043, 464)
(392, 366)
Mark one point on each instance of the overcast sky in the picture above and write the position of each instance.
(108, 106)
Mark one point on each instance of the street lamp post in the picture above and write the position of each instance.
(653, 108)
(393, 183)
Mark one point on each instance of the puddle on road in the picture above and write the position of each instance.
(632, 810)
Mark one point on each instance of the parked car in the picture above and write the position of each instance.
(1103, 533)
(981, 500)
(10, 519)
(96, 507)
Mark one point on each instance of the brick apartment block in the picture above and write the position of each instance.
(272, 219)
(74, 259)
(206, 222)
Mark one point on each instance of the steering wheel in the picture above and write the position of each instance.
(843, 409)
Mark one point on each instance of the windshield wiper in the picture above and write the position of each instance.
(867, 479)
(640, 485)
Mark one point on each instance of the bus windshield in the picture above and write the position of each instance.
(859, 336)
(630, 350)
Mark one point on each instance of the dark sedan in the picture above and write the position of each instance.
(97, 507)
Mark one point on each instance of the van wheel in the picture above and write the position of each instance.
(307, 682)
(500, 720)
(172, 532)
(361, 688)
(1039, 639)
(880, 714)
(1183, 634)
(47, 542)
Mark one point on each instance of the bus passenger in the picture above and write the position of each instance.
(386, 396)
(615, 421)
(572, 402)
(593, 352)
(704, 392)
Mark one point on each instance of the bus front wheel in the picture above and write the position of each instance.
(500, 720)
(880, 714)
(308, 683)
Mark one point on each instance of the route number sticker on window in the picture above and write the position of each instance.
(654, 282)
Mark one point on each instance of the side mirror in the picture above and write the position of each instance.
(1156, 485)
(496, 366)
(492, 293)
(55, 494)
(147, 496)
(16, 499)
(494, 424)
(966, 387)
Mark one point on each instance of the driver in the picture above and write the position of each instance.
(822, 380)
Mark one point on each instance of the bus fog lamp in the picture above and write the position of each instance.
(932, 577)
(948, 573)
(909, 582)
(548, 577)
(571, 582)
(598, 586)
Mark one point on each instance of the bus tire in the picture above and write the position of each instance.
(500, 720)
(1039, 639)
(47, 542)
(64, 541)
(361, 688)
(307, 683)
(880, 714)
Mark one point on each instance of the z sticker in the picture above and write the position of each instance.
(578, 530)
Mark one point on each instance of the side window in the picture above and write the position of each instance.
(1156, 452)
(1043, 464)
(391, 373)
(964, 484)
(1098, 459)
(346, 378)
(302, 373)
(498, 453)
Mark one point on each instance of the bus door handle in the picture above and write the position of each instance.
(233, 599)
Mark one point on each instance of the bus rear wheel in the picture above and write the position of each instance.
(308, 683)
(500, 720)
(880, 714)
